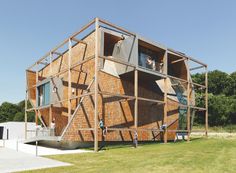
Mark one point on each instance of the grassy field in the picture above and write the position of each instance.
(200, 155)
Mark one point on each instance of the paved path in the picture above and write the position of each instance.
(42, 151)
(11, 161)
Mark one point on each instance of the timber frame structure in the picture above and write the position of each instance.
(96, 92)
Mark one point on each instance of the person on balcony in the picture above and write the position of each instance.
(151, 63)
(160, 66)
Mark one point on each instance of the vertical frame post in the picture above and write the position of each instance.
(96, 87)
(37, 79)
(50, 108)
(188, 100)
(50, 115)
(50, 66)
(206, 101)
(165, 61)
(36, 117)
(69, 78)
(136, 99)
(26, 107)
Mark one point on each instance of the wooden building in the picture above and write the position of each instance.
(104, 72)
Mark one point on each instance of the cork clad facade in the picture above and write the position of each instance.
(106, 73)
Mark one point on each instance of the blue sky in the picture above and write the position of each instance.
(203, 29)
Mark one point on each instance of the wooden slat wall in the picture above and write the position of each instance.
(31, 82)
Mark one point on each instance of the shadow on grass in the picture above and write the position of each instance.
(197, 138)
(110, 146)
(118, 145)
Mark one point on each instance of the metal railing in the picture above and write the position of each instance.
(44, 132)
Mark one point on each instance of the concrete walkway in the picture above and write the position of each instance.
(42, 151)
(12, 161)
(17, 156)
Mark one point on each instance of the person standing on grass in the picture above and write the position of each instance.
(104, 130)
(135, 139)
(53, 125)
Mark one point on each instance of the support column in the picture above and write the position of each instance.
(50, 109)
(50, 115)
(26, 107)
(96, 88)
(136, 98)
(50, 66)
(69, 79)
(36, 116)
(206, 102)
(37, 79)
(188, 100)
(165, 70)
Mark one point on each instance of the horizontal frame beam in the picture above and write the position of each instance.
(116, 60)
(78, 41)
(199, 85)
(57, 53)
(64, 100)
(151, 100)
(131, 97)
(195, 68)
(116, 27)
(156, 73)
(179, 79)
(179, 60)
(117, 95)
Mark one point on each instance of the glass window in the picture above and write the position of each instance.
(44, 94)
(142, 60)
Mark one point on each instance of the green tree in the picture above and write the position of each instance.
(15, 112)
(8, 111)
(19, 116)
(231, 87)
(220, 109)
(222, 98)
(218, 82)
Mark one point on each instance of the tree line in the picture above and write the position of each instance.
(14, 112)
(221, 98)
(221, 102)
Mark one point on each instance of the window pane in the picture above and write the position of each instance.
(40, 95)
(46, 93)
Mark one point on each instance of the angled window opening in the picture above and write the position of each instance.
(109, 43)
(43, 94)
(150, 57)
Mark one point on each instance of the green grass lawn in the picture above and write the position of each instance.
(216, 155)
